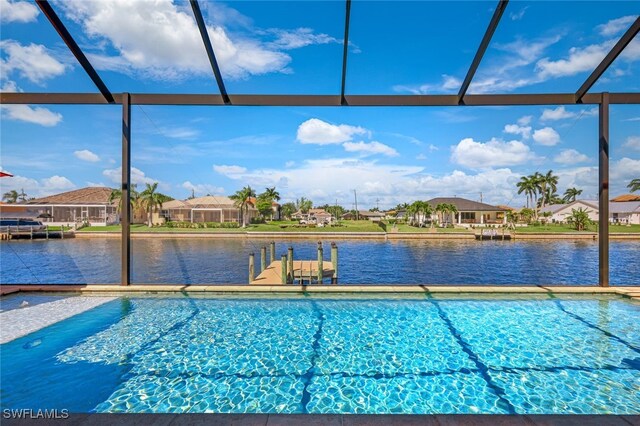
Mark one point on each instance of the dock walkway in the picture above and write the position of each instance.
(303, 270)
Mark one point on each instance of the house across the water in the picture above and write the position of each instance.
(470, 212)
(87, 205)
(620, 212)
(207, 209)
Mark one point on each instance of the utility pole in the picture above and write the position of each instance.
(355, 197)
(377, 204)
(481, 197)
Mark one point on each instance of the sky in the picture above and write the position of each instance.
(387, 155)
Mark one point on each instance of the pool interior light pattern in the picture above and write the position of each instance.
(362, 356)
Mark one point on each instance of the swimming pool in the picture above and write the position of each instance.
(427, 354)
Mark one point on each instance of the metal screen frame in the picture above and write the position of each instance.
(603, 100)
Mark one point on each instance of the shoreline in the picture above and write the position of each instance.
(355, 235)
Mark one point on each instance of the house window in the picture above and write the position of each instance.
(468, 216)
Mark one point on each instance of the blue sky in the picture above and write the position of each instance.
(389, 155)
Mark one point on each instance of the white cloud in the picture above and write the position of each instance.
(36, 188)
(632, 142)
(86, 155)
(616, 26)
(298, 38)
(632, 119)
(17, 11)
(624, 170)
(290, 164)
(37, 115)
(433, 148)
(96, 184)
(518, 130)
(478, 155)
(370, 148)
(138, 177)
(546, 136)
(516, 16)
(56, 183)
(570, 156)
(163, 41)
(203, 189)
(179, 132)
(229, 171)
(421, 157)
(556, 114)
(447, 84)
(525, 120)
(32, 62)
(315, 131)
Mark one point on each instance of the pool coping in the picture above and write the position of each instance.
(335, 419)
(632, 292)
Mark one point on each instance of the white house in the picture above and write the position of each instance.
(627, 212)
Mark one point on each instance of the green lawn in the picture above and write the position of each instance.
(551, 228)
(406, 228)
(345, 226)
(279, 226)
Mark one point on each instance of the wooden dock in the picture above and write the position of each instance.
(303, 271)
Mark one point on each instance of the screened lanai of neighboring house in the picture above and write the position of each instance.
(206, 209)
(87, 205)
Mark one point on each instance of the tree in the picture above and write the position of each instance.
(266, 199)
(527, 214)
(304, 205)
(22, 196)
(270, 194)
(288, 209)
(634, 185)
(116, 194)
(528, 186)
(10, 197)
(579, 219)
(240, 199)
(547, 185)
(570, 195)
(151, 200)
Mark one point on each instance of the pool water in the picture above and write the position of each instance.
(313, 355)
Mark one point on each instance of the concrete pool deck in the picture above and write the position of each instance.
(632, 292)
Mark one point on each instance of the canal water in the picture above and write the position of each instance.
(220, 261)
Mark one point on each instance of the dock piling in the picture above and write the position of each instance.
(263, 258)
(283, 261)
(334, 263)
(290, 261)
(46, 230)
(272, 250)
(320, 262)
(251, 266)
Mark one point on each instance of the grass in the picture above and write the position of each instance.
(279, 226)
(402, 227)
(345, 226)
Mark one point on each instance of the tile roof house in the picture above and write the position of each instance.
(471, 212)
(622, 212)
(207, 209)
(90, 205)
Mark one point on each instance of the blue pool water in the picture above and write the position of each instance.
(311, 355)
(220, 261)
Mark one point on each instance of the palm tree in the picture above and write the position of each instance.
(10, 196)
(634, 185)
(151, 201)
(527, 185)
(22, 196)
(547, 185)
(441, 209)
(271, 194)
(453, 210)
(579, 219)
(570, 195)
(116, 194)
(240, 199)
(304, 205)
